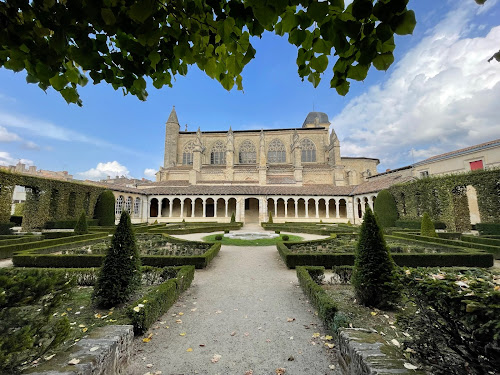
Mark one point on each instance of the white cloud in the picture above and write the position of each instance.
(111, 168)
(150, 172)
(7, 159)
(6, 136)
(441, 96)
(29, 145)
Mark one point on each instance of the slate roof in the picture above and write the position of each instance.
(311, 118)
(380, 184)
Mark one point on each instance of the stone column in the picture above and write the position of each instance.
(215, 207)
(226, 202)
(337, 207)
(160, 202)
(296, 208)
(182, 208)
(204, 207)
(171, 206)
(317, 208)
(307, 208)
(350, 210)
(286, 208)
(275, 207)
(240, 214)
(193, 204)
(327, 205)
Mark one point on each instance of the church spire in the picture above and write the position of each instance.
(172, 119)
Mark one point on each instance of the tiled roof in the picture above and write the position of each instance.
(380, 184)
(460, 151)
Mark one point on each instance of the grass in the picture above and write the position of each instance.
(261, 242)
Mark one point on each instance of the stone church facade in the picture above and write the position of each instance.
(296, 174)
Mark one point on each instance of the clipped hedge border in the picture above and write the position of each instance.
(495, 250)
(9, 251)
(201, 229)
(482, 240)
(67, 224)
(157, 302)
(416, 224)
(488, 228)
(52, 235)
(319, 298)
(18, 240)
(303, 229)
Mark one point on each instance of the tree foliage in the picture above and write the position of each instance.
(120, 273)
(427, 226)
(105, 209)
(374, 277)
(385, 208)
(81, 224)
(123, 42)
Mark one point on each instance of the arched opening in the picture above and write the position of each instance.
(209, 208)
(86, 203)
(72, 204)
(290, 208)
(247, 153)
(308, 151)
(366, 203)
(403, 203)
(281, 207)
(188, 207)
(118, 205)
(360, 211)
(251, 210)
(198, 207)
(270, 207)
(137, 207)
(322, 208)
(221, 207)
(332, 211)
(418, 204)
(276, 152)
(176, 207)
(54, 199)
(474, 214)
(461, 208)
(231, 207)
(343, 208)
(128, 205)
(153, 208)
(372, 203)
(165, 207)
(311, 208)
(301, 204)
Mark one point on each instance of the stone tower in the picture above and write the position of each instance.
(171, 137)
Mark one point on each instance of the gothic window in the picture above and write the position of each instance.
(187, 154)
(218, 153)
(276, 153)
(308, 151)
(128, 205)
(248, 154)
(119, 205)
(137, 206)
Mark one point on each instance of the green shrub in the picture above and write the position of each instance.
(374, 278)
(285, 237)
(233, 218)
(270, 221)
(427, 227)
(105, 209)
(488, 228)
(120, 273)
(277, 231)
(5, 228)
(17, 219)
(385, 209)
(28, 328)
(218, 237)
(81, 224)
(52, 235)
(416, 224)
(226, 231)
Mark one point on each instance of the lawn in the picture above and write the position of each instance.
(260, 242)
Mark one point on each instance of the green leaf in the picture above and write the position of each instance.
(248, 56)
(358, 72)
(362, 9)
(264, 14)
(383, 61)
(108, 16)
(155, 58)
(70, 95)
(314, 78)
(72, 75)
(15, 64)
(239, 83)
(384, 32)
(32, 79)
(58, 82)
(405, 23)
(320, 46)
(317, 10)
(48, 3)
(343, 88)
(141, 10)
(319, 63)
(228, 27)
(140, 84)
(289, 22)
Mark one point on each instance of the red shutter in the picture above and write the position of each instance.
(476, 165)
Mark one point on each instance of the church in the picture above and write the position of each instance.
(293, 174)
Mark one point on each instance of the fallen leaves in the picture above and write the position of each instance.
(395, 343)
(290, 319)
(280, 371)
(233, 333)
(73, 361)
(94, 348)
(216, 358)
(182, 334)
(249, 372)
(189, 349)
(147, 339)
(409, 366)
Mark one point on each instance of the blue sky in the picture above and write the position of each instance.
(440, 94)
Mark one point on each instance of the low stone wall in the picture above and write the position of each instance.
(362, 351)
(105, 352)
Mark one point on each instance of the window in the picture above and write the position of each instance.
(119, 205)
(474, 165)
(187, 154)
(137, 206)
(276, 153)
(247, 154)
(424, 174)
(218, 154)
(308, 151)
(128, 204)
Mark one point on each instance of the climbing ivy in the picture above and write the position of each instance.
(46, 199)
(445, 198)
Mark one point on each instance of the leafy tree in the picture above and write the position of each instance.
(374, 277)
(270, 217)
(233, 218)
(385, 209)
(122, 42)
(81, 224)
(120, 273)
(427, 226)
(105, 209)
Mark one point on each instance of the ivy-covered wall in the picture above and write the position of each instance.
(445, 198)
(47, 199)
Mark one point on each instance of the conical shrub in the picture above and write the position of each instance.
(427, 226)
(374, 278)
(105, 209)
(81, 224)
(386, 210)
(120, 273)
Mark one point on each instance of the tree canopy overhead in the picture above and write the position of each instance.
(122, 42)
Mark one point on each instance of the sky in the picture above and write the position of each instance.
(440, 94)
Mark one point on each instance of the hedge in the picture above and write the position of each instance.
(156, 303)
(488, 228)
(306, 229)
(200, 229)
(319, 298)
(495, 250)
(18, 240)
(481, 240)
(9, 250)
(67, 224)
(416, 224)
(52, 235)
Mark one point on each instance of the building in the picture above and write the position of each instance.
(296, 174)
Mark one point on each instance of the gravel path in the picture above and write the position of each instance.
(237, 311)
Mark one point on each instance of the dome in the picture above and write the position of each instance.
(316, 118)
